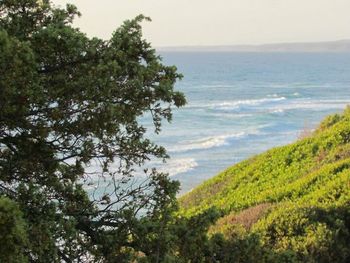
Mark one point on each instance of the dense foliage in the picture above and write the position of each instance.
(69, 111)
(290, 204)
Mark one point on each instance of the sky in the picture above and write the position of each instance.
(219, 22)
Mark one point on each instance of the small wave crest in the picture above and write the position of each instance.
(273, 105)
(277, 111)
(302, 104)
(207, 142)
(236, 104)
(178, 166)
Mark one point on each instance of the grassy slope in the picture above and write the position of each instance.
(311, 173)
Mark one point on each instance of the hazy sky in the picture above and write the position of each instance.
(220, 22)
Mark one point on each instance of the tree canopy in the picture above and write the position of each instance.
(69, 102)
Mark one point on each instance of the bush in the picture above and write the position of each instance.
(314, 234)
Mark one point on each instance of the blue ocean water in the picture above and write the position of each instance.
(241, 104)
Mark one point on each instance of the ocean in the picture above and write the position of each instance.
(241, 104)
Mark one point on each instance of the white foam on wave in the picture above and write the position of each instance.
(277, 111)
(207, 142)
(275, 105)
(311, 105)
(272, 104)
(256, 102)
(178, 166)
(235, 104)
(171, 167)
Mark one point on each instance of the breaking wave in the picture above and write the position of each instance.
(178, 166)
(208, 142)
(232, 105)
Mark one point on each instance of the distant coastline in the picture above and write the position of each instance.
(330, 46)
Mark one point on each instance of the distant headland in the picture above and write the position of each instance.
(330, 46)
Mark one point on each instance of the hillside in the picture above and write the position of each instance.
(294, 200)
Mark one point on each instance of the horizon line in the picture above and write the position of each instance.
(254, 45)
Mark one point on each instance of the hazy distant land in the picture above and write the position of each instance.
(331, 46)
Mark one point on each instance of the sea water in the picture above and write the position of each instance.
(241, 104)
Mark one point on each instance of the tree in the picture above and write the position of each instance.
(69, 102)
(12, 232)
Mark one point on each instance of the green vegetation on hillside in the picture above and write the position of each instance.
(289, 204)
